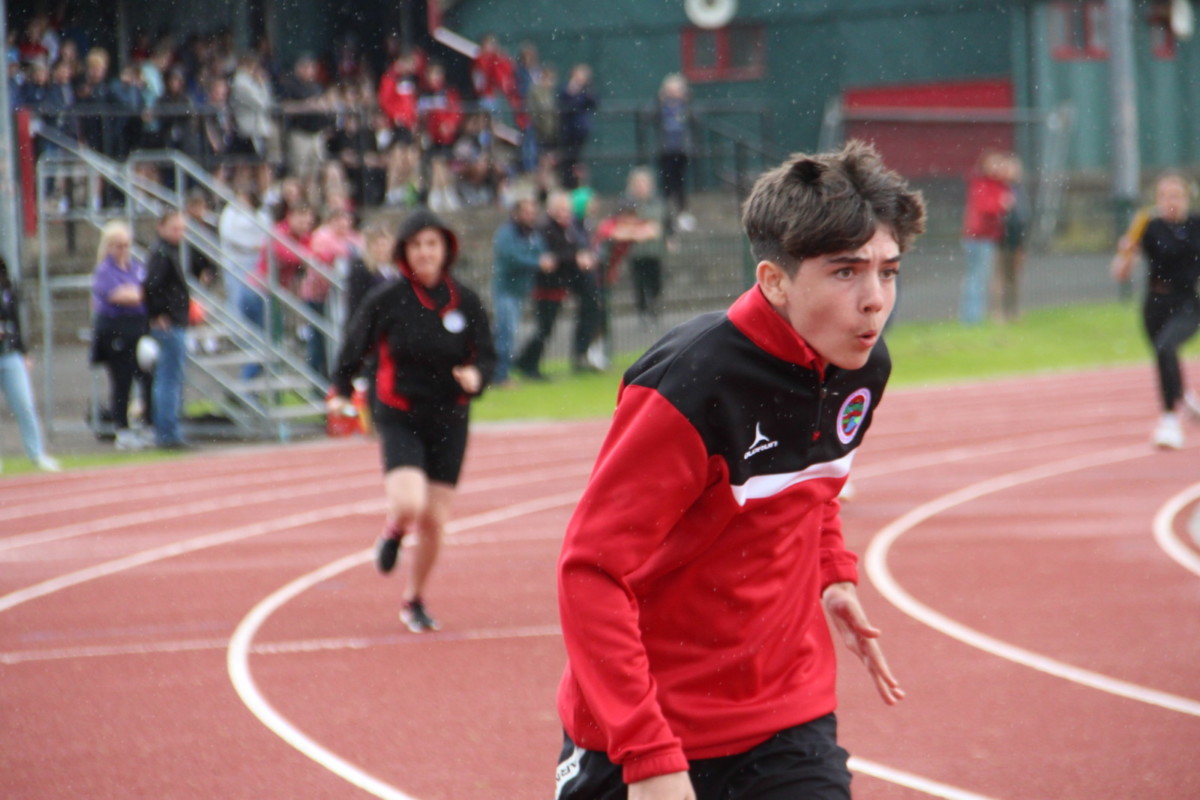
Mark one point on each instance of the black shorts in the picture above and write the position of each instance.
(431, 438)
(804, 762)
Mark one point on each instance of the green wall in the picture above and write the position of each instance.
(1168, 98)
(813, 49)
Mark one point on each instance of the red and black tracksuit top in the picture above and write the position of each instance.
(692, 569)
(419, 336)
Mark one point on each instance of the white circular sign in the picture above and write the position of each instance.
(710, 13)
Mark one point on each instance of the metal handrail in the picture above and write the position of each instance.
(112, 171)
(142, 194)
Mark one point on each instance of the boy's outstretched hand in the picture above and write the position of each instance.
(846, 616)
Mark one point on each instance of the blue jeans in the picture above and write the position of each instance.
(529, 149)
(981, 255)
(507, 311)
(18, 391)
(315, 343)
(252, 307)
(168, 384)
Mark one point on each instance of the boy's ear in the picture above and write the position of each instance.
(771, 280)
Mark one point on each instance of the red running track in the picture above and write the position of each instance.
(213, 627)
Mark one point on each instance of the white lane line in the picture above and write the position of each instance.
(1164, 530)
(138, 494)
(939, 458)
(902, 778)
(277, 648)
(102, 651)
(240, 645)
(173, 549)
(880, 573)
(158, 515)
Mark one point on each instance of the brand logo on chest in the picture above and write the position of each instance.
(761, 442)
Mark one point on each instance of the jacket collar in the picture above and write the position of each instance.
(754, 316)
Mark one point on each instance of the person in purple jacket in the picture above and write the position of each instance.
(119, 321)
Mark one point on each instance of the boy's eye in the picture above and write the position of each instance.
(891, 273)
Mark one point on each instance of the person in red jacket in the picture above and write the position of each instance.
(279, 265)
(399, 89)
(705, 559)
(494, 76)
(989, 197)
(441, 113)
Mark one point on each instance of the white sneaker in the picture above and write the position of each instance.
(1168, 434)
(687, 223)
(48, 464)
(130, 440)
(597, 357)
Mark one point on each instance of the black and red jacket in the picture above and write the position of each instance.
(692, 569)
(418, 334)
(1172, 253)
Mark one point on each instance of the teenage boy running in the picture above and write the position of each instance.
(703, 560)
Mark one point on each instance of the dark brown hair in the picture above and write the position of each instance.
(813, 205)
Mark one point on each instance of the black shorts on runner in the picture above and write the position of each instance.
(801, 762)
(431, 439)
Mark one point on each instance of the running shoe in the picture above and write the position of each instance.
(387, 550)
(48, 464)
(413, 615)
(1168, 434)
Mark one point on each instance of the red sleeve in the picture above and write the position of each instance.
(652, 468)
(991, 199)
(837, 563)
(398, 99)
(387, 94)
(985, 208)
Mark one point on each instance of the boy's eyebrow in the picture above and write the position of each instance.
(850, 258)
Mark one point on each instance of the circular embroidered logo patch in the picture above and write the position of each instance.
(852, 414)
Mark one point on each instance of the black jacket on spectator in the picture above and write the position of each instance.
(98, 125)
(166, 290)
(297, 90)
(129, 103)
(564, 244)
(10, 322)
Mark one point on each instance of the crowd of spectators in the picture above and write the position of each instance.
(405, 137)
(308, 147)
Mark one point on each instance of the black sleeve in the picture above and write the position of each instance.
(484, 349)
(10, 322)
(362, 333)
(358, 284)
(202, 264)
(154, 290)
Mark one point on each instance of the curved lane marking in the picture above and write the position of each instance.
(907, 779)
(240, 646)
(881, 575)
(1164, 530)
